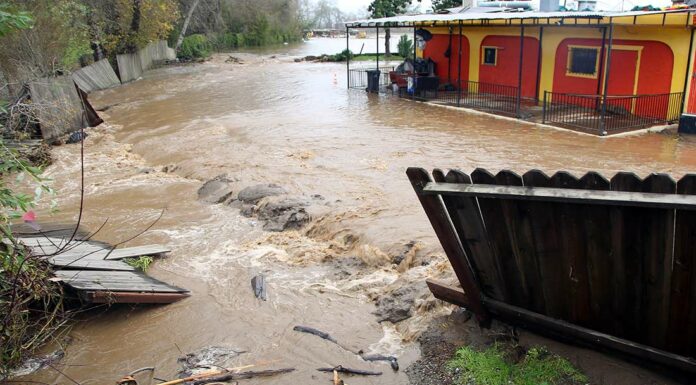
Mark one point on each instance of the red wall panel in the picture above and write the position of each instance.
(435, 49)
(506, 71)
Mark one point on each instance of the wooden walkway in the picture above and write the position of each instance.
(98, 274)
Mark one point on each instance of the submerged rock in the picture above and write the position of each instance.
(76, 137)
(398, 305)
(216, 190)
(35, 364)
(212, 357)
(284, 214)
(253, 194)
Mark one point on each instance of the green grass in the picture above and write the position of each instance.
(494, 366)
(140, 263)
(373, 57)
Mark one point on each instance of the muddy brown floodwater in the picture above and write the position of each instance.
(271, 120)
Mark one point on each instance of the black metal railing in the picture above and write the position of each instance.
(489, 97)
(598, 115)
(357, 77)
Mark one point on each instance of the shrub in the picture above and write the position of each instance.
(405, 46)
(194, 47)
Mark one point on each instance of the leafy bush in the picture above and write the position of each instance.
(194, 47)
(405, 46)
(141, 263)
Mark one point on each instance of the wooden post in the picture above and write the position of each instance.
(377, 47)
(539, 58)
(442, 224)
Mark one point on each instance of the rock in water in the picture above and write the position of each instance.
(212, 357)
(76, 137)
(398, 305)
(254, 194)
(35, 364)
(284, 214)
(216, 190)
(258, 284)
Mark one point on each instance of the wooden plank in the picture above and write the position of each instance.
(612, 198)
(141, 298)
(442, 225)
(569, 218)
(114, 281)
(681, 336)
(448, 293)
(468, 223)
(657, 265)
(519, 231)
(90, 264)
(137, 251)
(494, 213)
(546, 239)
(597, 229)
(626, 239)
(561, 329)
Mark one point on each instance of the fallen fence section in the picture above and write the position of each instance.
(606, 262)
(97, 274)
(132, 65)
(96, 76)
(60, 107)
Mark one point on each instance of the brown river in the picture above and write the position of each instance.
(271, 120)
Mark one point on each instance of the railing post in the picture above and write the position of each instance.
(348, 56)
(543, 108)
(459, 71)
(518, 107)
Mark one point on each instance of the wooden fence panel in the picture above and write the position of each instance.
(467, 220)
(569, 220)
(553, 269)
(681, 335)
(626, 238)
(596, 227)
(657, 265)
(494, 213)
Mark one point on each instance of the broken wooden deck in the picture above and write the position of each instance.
(98, 274)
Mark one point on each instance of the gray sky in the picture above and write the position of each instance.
(353, 6)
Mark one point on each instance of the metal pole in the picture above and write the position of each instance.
(539, 57)
(688, 72)
(348, 56)
(519, 72)
(607, 71)
(602, 53)
(459, 71)
(377, 47)
(449, 57)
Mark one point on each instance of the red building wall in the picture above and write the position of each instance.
(435, 49)
(654, 69)
(506, 71)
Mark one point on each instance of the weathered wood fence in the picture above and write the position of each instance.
(610, 262)
(132, 65)
(96, 76)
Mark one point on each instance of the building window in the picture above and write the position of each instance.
(583, 61)
(490, 56)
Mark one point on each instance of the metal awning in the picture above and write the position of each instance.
(505, 18)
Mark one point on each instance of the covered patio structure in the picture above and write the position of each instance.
(577, 70)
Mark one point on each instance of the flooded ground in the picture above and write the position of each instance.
(271, 120)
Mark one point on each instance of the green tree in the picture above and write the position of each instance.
(387, 8)
(405, 47)
(441, 5)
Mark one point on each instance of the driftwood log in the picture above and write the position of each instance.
(341, 369)
(243, 376)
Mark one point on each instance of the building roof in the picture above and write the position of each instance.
(646, 17)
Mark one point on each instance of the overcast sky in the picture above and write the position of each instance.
(355, 6)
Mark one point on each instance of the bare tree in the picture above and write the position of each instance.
(192, 8)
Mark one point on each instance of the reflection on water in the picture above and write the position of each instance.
(275, 121)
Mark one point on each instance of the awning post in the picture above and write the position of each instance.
(607, 71)
(377, 47)
(459, 70)
(518, 107)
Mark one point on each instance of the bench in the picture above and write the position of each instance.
(606, 262)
